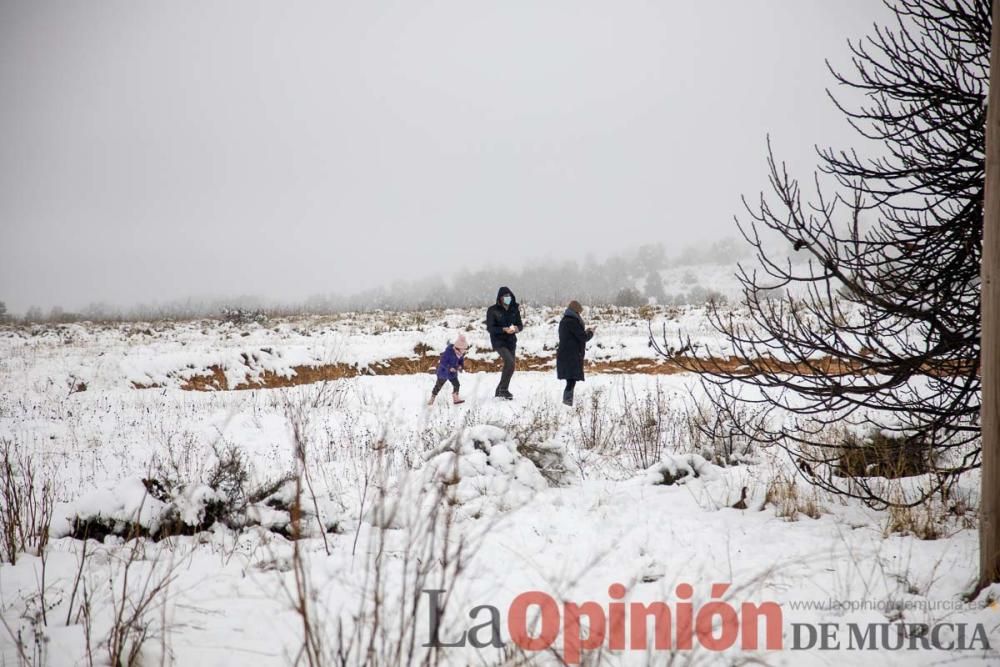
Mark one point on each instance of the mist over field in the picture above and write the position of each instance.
(159, 153)
(642, 276)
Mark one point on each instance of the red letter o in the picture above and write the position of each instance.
(517, 620)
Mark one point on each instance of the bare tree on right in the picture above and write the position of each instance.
(879, 329)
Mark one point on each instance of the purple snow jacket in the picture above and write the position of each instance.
(449, 360)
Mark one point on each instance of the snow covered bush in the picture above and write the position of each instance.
(243, 315)
(137, 507)
(549, 456)
(133, 507)
(165, 505)
(534, 431)
(479, 471)
(672, 470)
(276, 511)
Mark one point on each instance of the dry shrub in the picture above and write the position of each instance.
(594, 431)
(962, 512)
(932, 518)
(26, 503)
(643, 428)
(880, 454)
(927, 510)
(783, 493)
(652, 421)
(138, 605)
(920, 521)
(723, 429)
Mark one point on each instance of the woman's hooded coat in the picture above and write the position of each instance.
(573, 339)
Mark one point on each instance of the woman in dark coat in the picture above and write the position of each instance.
(503, 321)
(573, 339)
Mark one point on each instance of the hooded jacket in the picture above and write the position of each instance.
(498, 318)
(449, 360)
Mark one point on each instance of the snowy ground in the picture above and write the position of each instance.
(114, 356)
(499, 528)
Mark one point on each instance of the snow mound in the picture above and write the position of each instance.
(673, 469)
(274, 513)
(478, 472)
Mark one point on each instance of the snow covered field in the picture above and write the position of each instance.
(483, 502)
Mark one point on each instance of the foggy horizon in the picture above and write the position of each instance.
(156, 153)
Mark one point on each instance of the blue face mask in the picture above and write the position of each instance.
(507, 299)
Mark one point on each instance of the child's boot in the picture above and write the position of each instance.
(433, 398)
(456, 400)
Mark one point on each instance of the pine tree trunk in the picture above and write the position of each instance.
(989, 515)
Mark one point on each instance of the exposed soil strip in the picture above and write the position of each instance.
(214, 378)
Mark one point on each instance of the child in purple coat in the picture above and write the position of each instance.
(452, 362)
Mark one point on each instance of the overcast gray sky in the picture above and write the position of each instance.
(155, 151)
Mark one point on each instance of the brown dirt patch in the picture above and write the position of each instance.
(214, 379)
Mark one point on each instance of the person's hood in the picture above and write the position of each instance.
(502, 292)
(572, 313)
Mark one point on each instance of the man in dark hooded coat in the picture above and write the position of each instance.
(573, 337)
(503, 321)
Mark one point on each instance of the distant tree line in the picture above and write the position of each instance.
(632, 278)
